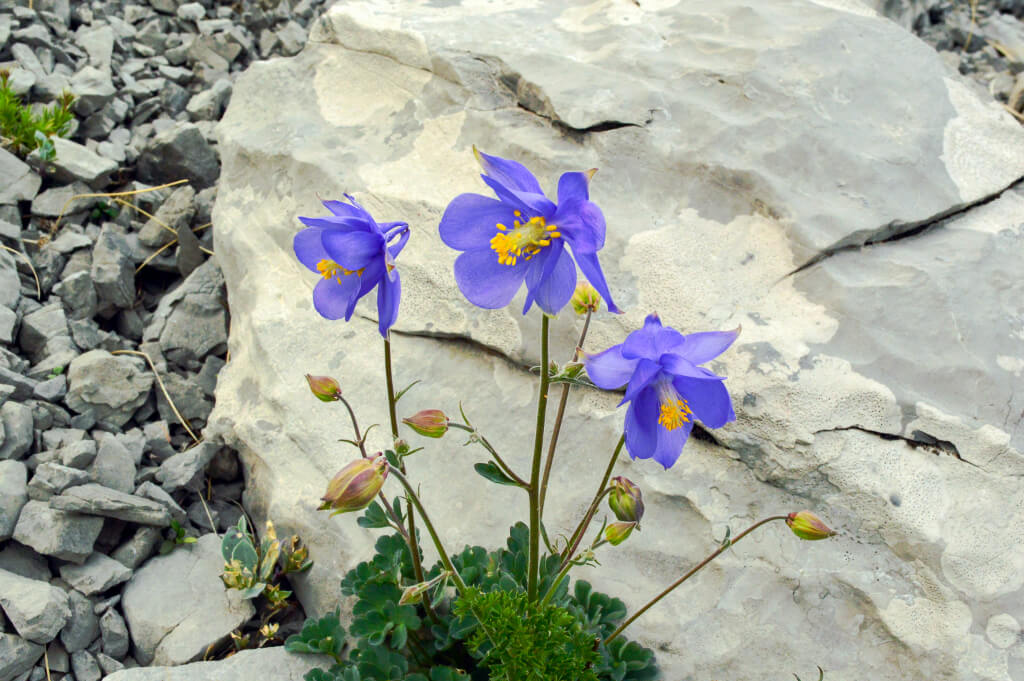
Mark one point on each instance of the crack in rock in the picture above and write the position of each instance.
(897, 231)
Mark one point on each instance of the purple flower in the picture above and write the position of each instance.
(353, 254)
(665, 386)
(522, 235)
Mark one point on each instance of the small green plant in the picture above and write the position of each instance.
(101, 210)
(179, 538)
(254, 567)
(24, 131)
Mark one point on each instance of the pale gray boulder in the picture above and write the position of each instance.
(51, 532)
(17, 656)
(110, 386)
(270, 663)
(98, 574)
(13, 495)
(94, 499)
(173, 620)
(745, 151)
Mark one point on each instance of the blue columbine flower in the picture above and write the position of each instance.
(353, 254)
(665, 386)
(522, 236)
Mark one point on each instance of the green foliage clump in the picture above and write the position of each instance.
(255, 567)
(23, 130)
(490, 633)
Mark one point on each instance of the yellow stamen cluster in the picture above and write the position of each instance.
(524, 240)
(329, 269)
(674, 413)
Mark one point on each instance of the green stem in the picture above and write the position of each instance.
(717, 552)
(487, 445)
(581, 529)
(557, 427)
(411, 538)
(362, 450)
(445, 560)
(578, 537)
(538, 446)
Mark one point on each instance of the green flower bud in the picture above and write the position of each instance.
(616, 533)
(626, 501)
(586, 298)
(325, 388)
(401, 447)
(429, 422)
(808, 526)
(355, 485)
(414, 594)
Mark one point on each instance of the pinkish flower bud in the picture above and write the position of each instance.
(429, 422)
(355, 485)
(586, 298)
(616, 533)
(626, 501)
(806, 525)
(324, 388)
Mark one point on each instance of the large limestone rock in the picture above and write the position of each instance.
(747, 152)
(265, 663)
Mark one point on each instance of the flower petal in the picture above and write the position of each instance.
(389, 295)
(341, 224)
(512, 174)
(470, 221)
(371, 276)
(574, 185)
(680, 366)
(529, 203)
(641, 428)
(709, 400)
(552, 281)
(705, 346)
(352, 250)
(670, 444)
(485, 282)
(644, 374)
(308, 247)
(403, 237)
(591, 269)
(334, 300)
(609, 369)
(582, 224)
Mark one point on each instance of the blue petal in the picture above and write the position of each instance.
(371, 276)
(529, 203)
(582, 224)
(591, 269)
(574, 186)
(469, 222)
(644, 374)
(352, 250)
(553, 281)
(341, 224)
(705, 346)
(403, 237)
(670, 443)
(485, 282)
(333, 300)
(641, 428)
(653, 340)
(680, 366)
(512, 174)
(344, 209)
(609, 369)
(308, 247)
(389, 295)
(709, 400)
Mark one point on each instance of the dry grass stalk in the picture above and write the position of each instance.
(110, 195)
(39, 289)
(168, 245)
(163, 388)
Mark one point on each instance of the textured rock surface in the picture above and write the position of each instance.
(267, 663)
(176, 605)
(737, 143)
(37, 610)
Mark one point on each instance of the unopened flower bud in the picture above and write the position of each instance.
(626, 501)
(585, 299)
(429, 422)
(616, 533)
(324, 388)
(806, 525)
(355, 485)
(401, 447)
(414, 594)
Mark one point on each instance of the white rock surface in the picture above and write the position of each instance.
(37, 610)
(176, 605)
(265, 663)
(745, 151)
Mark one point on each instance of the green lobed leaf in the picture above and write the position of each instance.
(492, 472)
(374, 517)
(324, 635)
